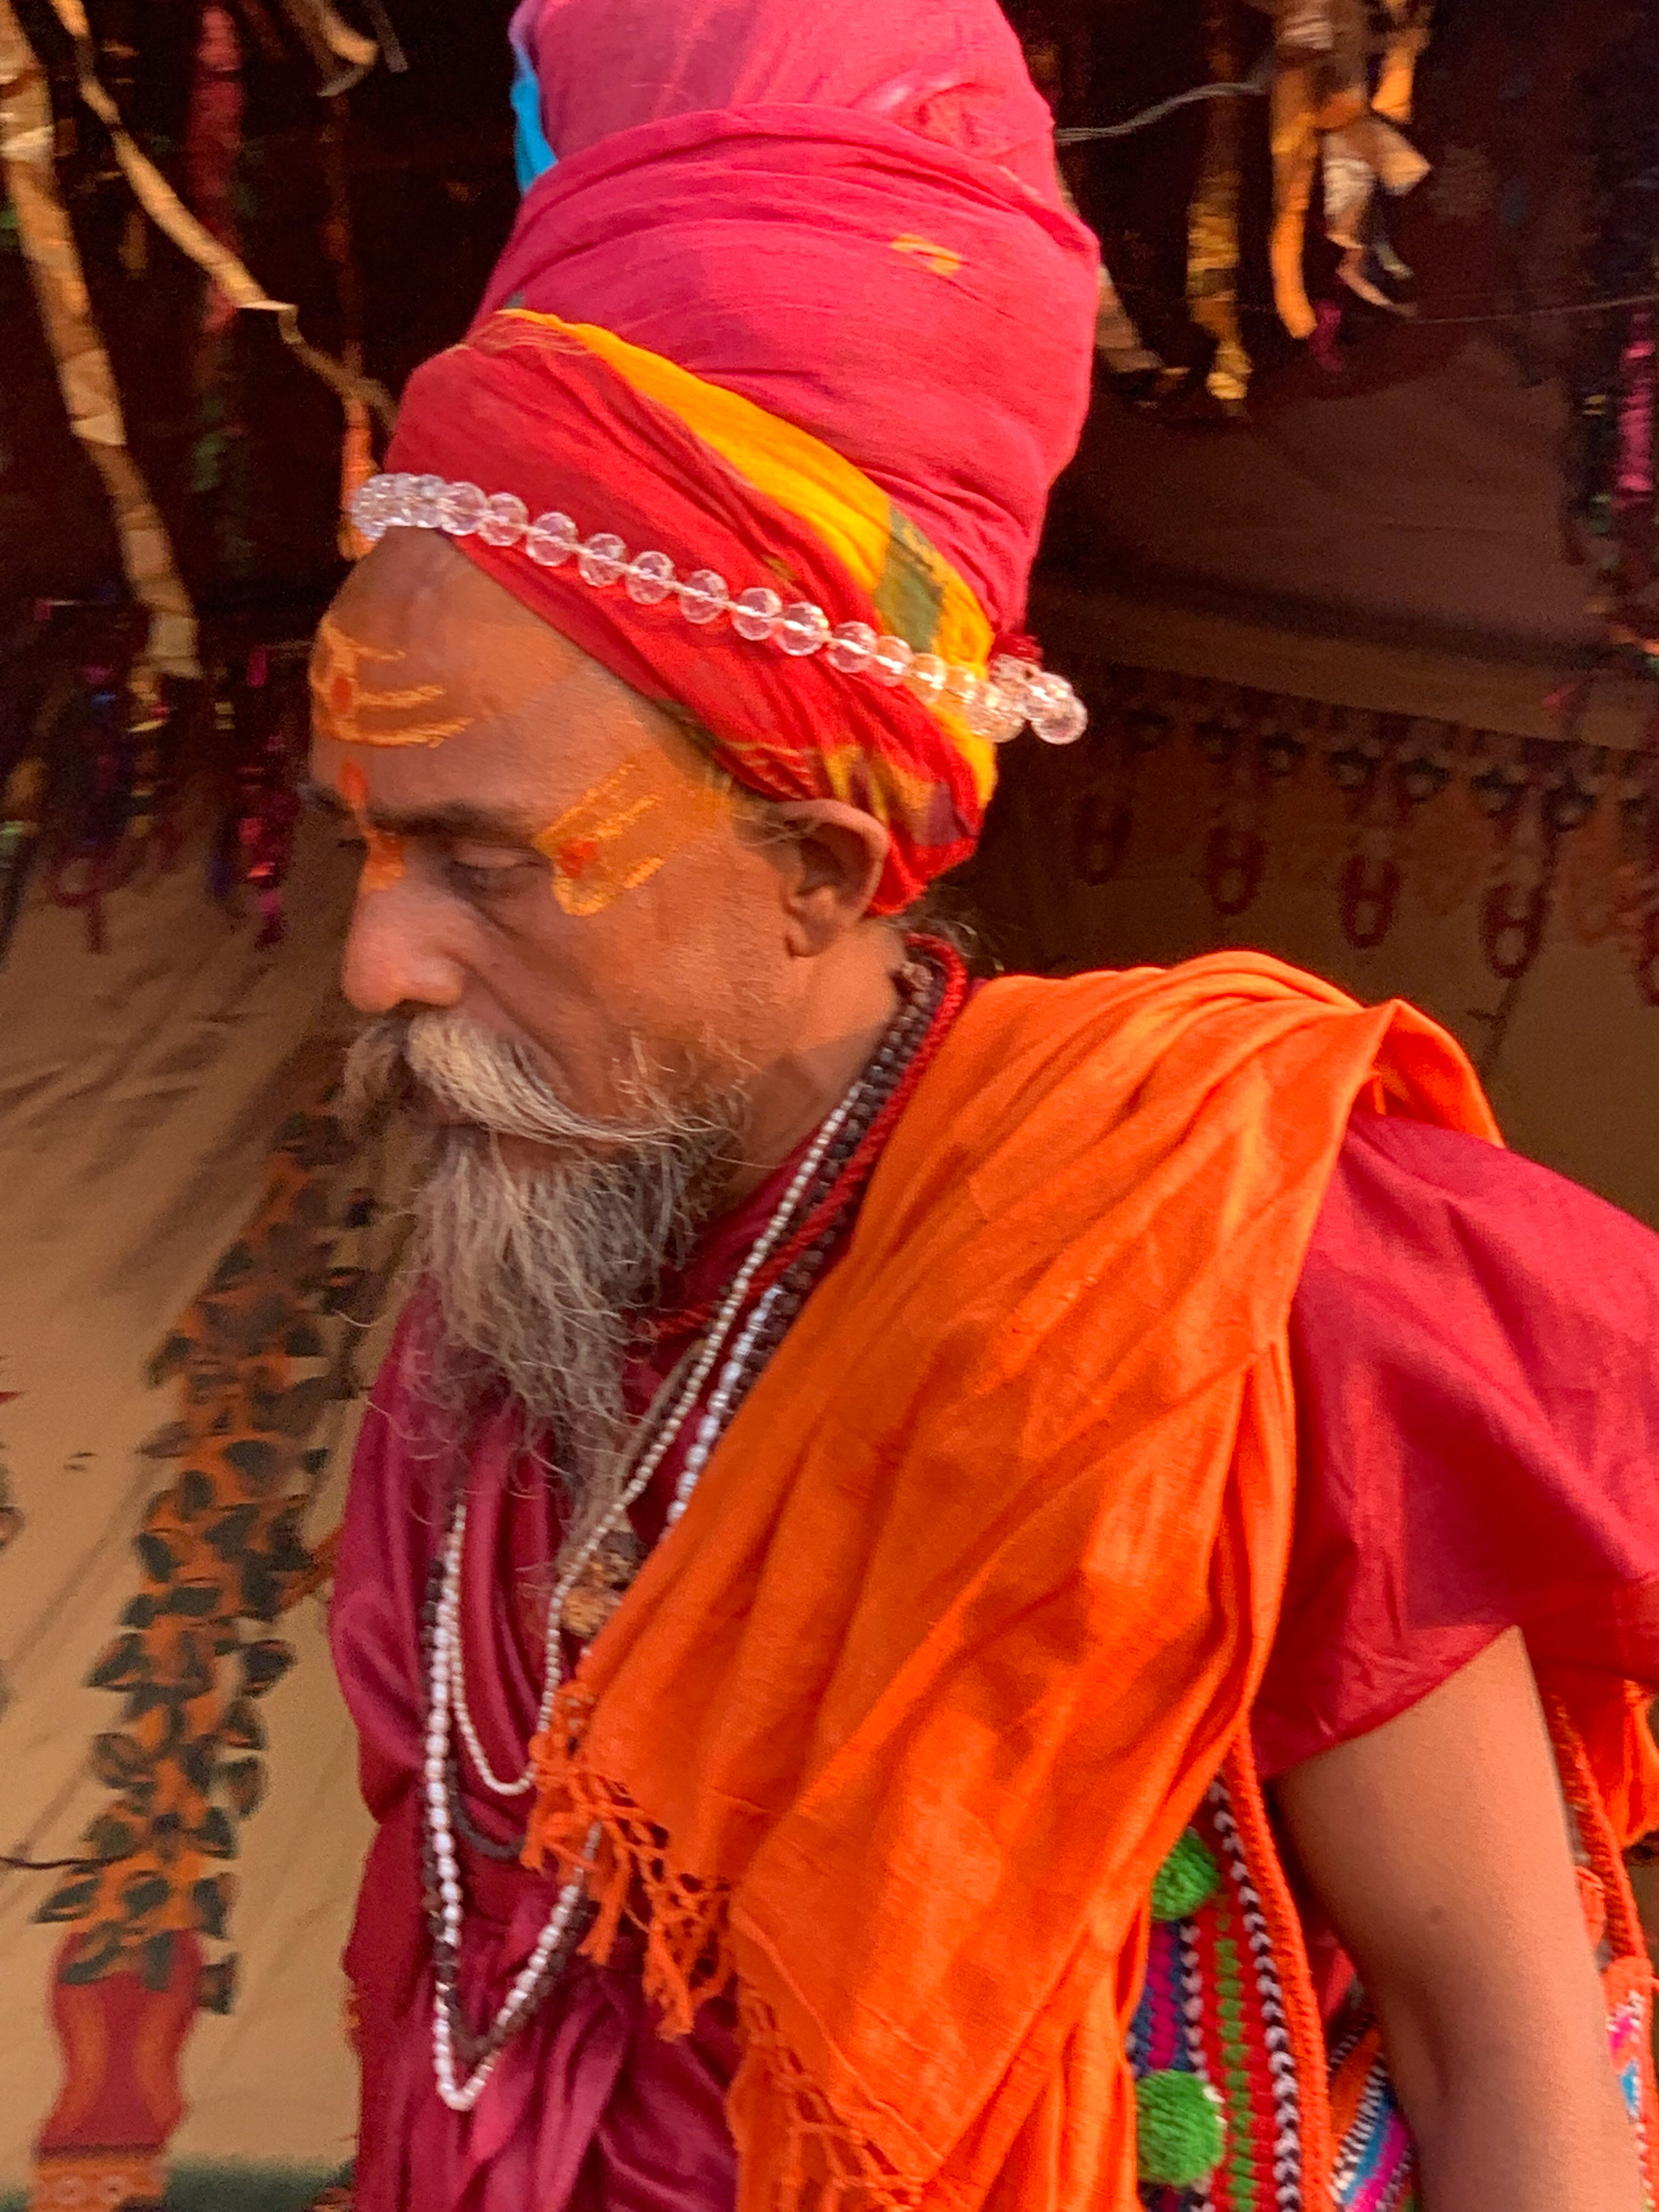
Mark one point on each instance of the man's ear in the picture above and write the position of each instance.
(832, 863)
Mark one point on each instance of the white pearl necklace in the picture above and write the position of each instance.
(461, 2095)
(448, 1674)
(708, 1429)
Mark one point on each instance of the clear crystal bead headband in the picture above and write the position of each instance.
(996, 703)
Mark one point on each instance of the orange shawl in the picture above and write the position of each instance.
(974, 1596)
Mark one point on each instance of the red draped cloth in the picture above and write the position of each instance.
(1479, 1428)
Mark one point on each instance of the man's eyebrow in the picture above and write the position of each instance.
(456, 820)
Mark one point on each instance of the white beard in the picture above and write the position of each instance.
(536, 1276)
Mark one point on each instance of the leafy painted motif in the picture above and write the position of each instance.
(258, 1363)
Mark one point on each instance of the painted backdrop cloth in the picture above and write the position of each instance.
(1478, 1421)
(143, 1095)
(1083, 1140)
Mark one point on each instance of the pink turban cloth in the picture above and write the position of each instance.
(847, 215)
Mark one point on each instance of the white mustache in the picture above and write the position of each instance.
(473, 1075)
(490, 1082)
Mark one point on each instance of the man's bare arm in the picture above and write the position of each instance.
(1438, 1847)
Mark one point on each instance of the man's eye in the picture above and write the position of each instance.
(491, 877)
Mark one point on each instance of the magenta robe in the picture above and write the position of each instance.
(1472, 1340)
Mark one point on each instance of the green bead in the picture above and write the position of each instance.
(1181, 2136)
(1187, 1878)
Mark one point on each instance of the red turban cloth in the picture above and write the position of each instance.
(799, 304)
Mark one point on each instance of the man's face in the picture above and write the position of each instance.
(546, 854)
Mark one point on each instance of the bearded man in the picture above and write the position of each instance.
(946, 1588)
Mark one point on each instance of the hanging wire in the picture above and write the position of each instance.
(1139, 297)
(1253, 87)
(63, 1866)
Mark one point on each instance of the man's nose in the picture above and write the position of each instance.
(392, 956)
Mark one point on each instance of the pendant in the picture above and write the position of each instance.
(602, 1584)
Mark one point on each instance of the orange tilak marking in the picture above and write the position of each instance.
(943, 260)
(352, 714)
(576, 858)
(383, 863)
(618, 835)
(384, 849)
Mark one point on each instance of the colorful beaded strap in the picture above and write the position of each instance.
(1239, 2109)
(1224, 2036)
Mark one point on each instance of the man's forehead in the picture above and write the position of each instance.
(421, 649)
(483, 663)
(447, 698)
(518, 770)
(435, 684)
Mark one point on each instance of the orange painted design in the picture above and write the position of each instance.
(943, 260)
(96, 2181)
(352, 713)
(618, 835)
(576, 858)
(384, 851)
(383, 863)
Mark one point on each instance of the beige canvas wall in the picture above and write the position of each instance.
(1575, 1072)
(139, 1093)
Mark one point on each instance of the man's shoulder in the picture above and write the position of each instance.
(1409, 1180)
(1145, 1011)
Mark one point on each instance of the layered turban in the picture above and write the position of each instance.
(798, 303)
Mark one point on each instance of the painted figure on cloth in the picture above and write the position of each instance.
(956, 1594)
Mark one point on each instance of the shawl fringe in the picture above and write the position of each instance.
(629, 1872)
(821, 2162)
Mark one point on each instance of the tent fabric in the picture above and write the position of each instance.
(140, 1095)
